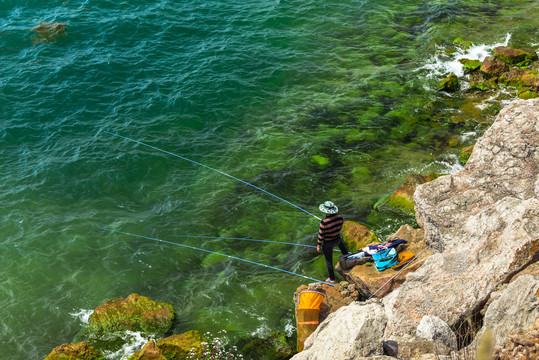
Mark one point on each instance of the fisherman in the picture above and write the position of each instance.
(329, 236)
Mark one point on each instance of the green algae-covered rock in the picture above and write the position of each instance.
(462, 44)
(179, 347)
(519, 78)
(470, 65)
(465, 154)
(479, 85)
(76, 351)
(357, 236)
(136, 313)
(275, 346)
(450, 83)
(492, 67)
(402, 199)
(519, 57)
(150, 351)
(527, 94)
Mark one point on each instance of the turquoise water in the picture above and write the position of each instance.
(308, 100)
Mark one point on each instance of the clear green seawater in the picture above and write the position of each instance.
(310, 100)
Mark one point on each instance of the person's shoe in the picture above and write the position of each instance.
(329, 281)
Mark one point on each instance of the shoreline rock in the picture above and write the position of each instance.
(482, 224)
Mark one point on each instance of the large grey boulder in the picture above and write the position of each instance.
(483, 221)
(351, 333)
(504, 163)
(516, 308)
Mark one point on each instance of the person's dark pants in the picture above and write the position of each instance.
(327, 249)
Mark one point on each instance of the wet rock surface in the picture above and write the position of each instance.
(76, 351)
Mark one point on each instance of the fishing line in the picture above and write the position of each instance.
(207, 167)
(213, 252)
(245, 239)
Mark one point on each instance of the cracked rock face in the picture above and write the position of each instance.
(483, 221)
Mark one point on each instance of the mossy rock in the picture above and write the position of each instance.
(357, 236)
(179, 347)
(276, 346)
(470, 65)
(110, 321)
(465, 154)
(527, 94)
(75, 351)
(481, 86)
(402, 199)
(150, 351)
(519, 57)
(518, 78)
(462, 43)
(450, 83)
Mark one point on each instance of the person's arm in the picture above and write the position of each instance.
(320, 240)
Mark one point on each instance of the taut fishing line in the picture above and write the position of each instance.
(213, 252)
(207, 167)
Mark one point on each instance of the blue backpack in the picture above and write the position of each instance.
(385, 259)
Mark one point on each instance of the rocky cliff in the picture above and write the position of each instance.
(482, 225)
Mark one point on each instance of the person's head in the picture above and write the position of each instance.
(328, 208)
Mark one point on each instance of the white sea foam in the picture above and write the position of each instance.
(441, 65)
(83, 315)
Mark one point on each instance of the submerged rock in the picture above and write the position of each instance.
(275, 346)
(47, 32)
(511, 55)
(450, 83)
(402, 198)
(493, 67)
(76, 351)
(114, 317)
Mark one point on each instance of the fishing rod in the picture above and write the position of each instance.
(213, 252)
(207, 167)
(245, 239)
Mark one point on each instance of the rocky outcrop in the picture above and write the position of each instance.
(482, 224)
(523, 345)
(368, 280)
(352, 332)
(114, 317)
(76, 351)
(483, 221)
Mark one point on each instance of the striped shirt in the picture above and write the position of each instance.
(330, 228)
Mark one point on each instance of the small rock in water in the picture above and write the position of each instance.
(47, 32)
